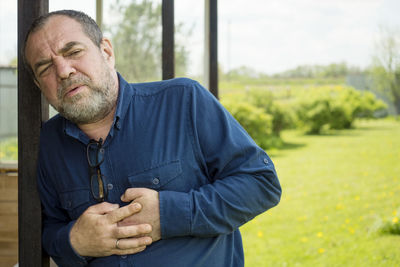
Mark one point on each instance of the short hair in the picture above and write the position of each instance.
(89, 26)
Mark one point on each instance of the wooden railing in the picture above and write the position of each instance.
(8, 216)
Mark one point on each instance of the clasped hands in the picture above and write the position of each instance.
(106, 229)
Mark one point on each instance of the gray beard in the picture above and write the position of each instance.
(99, 101)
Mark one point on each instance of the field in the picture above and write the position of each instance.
(340, 192)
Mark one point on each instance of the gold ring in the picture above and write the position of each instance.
(116, 244)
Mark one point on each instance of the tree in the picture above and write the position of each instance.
(385, 70)
(137, 41)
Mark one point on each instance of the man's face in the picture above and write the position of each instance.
(77, 77)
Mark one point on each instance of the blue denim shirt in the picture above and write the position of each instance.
(174, 137)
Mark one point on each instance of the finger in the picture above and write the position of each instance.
(131, 194)
(134, 242)
(132, 230)
(121, 213)
(103, 208)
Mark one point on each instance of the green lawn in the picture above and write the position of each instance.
(338, 192)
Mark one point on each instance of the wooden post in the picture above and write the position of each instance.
(32, 110)
(211, 46)
(99, 13)
(168, 43)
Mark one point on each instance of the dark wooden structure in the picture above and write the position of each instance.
(211, 45)
(8, 216)
(33, 110)
(168, 40)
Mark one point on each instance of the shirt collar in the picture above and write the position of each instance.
(125, 94)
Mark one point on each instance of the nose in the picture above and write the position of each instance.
(64, 68)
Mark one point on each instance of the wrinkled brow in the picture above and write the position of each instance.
(68, 46)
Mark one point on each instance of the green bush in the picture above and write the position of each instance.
(9, 149)
(312, 110)
(253, 119)
(371, 107)
(282, 117)
(334, 108)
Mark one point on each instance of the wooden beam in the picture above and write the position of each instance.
(32, 110)
(213, 75)
(99, 13)
(211, 46)
(168, 42)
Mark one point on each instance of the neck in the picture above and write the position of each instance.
(99, 129)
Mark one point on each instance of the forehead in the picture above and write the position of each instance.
(57, 31)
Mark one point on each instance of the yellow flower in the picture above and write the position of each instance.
(339, 206)
(321, 250)
(304, 239)
(352, 231)
(320, 234)
(260, 234)
(357, 198)
(347, 221)
(394, 213)
(395, 220)
(302, 218)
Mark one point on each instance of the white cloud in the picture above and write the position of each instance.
(274, 35)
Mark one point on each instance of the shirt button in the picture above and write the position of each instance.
(110, 186)
(266, 161)
(156, 180)
(69, 204)
(123, 256)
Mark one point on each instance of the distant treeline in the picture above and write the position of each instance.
(334, 70)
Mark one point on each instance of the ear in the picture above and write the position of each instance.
(108, 52)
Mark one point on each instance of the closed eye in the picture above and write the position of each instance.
(44, 69)
(74, 52)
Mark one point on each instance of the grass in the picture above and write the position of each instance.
(340, 194)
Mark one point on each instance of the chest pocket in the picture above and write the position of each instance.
(161, 177)
(75, 202)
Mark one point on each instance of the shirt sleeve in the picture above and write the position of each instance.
(56, 226)
(243, 180)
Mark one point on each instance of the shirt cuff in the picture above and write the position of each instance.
(73, 258)
(175, 214)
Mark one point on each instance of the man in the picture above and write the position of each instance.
(150, 174)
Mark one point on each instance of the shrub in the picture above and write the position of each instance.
(370, 107)
(282, 117)
(334, 108)
(313, 112)
(253, 119)
(9, 149)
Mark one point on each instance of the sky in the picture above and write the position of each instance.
(269, 36)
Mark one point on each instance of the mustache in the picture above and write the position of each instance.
(81, 79)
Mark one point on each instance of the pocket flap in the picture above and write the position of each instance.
(156, 177)
(72, 199)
